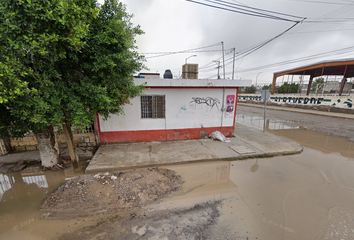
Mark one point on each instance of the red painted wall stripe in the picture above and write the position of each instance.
(160, 135)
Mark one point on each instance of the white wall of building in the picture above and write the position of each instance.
(182, 111)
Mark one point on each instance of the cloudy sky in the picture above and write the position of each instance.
(179, 25)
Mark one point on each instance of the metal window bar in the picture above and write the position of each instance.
(152, 106)
(41, 181)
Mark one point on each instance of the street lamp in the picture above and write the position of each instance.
(190, 57)
(257, 78)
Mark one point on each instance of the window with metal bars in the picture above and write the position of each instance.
(152, 106)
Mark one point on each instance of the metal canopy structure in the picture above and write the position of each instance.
(344, 67)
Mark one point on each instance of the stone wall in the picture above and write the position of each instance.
(29, 143)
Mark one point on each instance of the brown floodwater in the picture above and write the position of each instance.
(305, 196)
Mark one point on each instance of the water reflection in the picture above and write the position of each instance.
(255, 166)
(22, 193)
(5, 184)
(31, 175)
(258, 122)
(305, 136)
(202, 182)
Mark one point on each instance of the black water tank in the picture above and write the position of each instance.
(168, 74)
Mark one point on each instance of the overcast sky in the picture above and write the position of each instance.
(176, 25)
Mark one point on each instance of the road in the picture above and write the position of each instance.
(338, 127)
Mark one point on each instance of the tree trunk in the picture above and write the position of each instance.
(71, 146)
(48, 147)
(8, 147)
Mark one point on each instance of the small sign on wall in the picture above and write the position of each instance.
(230, 106)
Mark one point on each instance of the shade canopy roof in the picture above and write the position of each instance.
(344, 67)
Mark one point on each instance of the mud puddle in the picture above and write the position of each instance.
(306, 196)
(308, 137)
(258, 122)
(318, 140)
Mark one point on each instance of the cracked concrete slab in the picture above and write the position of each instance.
(249, 142)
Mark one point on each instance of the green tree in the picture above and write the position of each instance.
(267, 87)
(61, 62)
(289, 88)
(317, 84)
(251, 89)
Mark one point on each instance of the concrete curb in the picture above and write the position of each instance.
(232, 159)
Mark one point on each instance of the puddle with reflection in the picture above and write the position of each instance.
(324, 142)
(22, 193)
(306, 196)
(258, 122)
(318, 140)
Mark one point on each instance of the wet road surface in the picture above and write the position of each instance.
(339, 127)
(305, 196)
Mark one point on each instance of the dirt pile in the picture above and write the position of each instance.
(94, 193)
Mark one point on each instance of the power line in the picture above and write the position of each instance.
(322, 2)
(310, 57)
(183, 51)
(257, 12)
(337, 30)
(326, 15)
(240, 10)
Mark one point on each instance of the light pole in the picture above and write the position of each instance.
(190, 57)
(218, 67)
(256, 80)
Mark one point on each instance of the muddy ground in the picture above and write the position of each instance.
(90, 194)
(181, 223)
(118, 203)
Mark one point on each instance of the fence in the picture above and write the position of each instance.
(3, 150)
(84, 137)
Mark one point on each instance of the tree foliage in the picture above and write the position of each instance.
(317, 84)
(251, 89)
(289, 88)
(61, 61)
(267, 87)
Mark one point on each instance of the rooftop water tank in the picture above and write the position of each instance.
(168, 74)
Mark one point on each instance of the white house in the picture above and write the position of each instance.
(175, 109)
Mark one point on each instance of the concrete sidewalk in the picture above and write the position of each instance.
(249, 143)
(299, 110)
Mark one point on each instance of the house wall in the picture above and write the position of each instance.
(189, 113)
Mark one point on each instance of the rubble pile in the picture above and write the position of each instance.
(113, 190)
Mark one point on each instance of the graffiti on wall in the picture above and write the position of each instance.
(334, 101)
(300, 100)
(209, 101)
(252, 98)
(348, 102)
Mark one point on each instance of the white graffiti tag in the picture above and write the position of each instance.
(208, 101)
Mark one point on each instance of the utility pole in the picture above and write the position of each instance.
(223, 58)
(233, 65)
(218, 67)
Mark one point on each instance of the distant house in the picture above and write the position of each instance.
(148, 75)
(175, 109)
